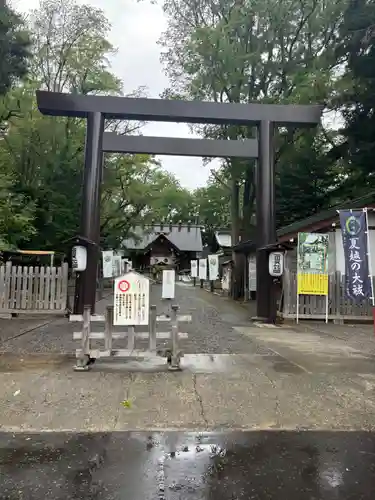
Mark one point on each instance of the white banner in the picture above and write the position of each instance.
(107, 263)
(202, 269)
(168, 284)
(213, 267)
(194, 268)
(116, 261)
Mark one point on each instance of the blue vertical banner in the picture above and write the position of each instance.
(355, 243)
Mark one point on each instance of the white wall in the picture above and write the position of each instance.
(340, 261)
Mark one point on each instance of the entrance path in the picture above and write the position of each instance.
(236, 375)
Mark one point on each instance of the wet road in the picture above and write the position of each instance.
(179, 466)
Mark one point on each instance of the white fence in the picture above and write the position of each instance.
(32, 290)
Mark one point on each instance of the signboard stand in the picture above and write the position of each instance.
(202, 271)
(86, 356)
(168, 284)
(194, 270)
(312, 268)
(213, 270)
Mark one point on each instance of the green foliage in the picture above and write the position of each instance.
(42, 157)
(16, 216)
(14, 49)
(136, 191)
(357, 99)
(305, 178)
(256, 50)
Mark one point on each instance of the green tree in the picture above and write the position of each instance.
(356, 101)
(306, 178)
(253, 50)
(16, 213)
(45, 154)
(136, 191)
(14, 49)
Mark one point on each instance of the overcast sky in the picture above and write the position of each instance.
(136, 27)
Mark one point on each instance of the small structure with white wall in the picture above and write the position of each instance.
(310, 307)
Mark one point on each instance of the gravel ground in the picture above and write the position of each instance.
(211, 329)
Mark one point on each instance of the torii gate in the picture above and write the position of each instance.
(264, 116)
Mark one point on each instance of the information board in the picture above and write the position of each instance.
(131, 300)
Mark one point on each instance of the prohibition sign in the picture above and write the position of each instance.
(123, 286)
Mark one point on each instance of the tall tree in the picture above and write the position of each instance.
(14, 48)
(357, 99)
(16, 213)
(253, 50)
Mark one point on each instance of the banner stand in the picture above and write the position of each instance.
(370, 267)
(297, 312)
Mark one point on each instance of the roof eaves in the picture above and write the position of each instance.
(330, 213)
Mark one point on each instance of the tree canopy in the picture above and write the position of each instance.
(293, 51)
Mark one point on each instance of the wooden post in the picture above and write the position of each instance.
(131, 338)
(108, 329)
(175, 358)
(152, 329)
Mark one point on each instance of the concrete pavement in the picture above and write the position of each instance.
(236, 375)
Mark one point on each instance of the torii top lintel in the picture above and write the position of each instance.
(141, 109)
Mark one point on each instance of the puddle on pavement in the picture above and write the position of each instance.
(282, 365)
(188, 466)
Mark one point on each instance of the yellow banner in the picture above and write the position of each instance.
(312, 284)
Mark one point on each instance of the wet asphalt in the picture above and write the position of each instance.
(176, 466)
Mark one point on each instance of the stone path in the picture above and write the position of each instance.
(237, 375)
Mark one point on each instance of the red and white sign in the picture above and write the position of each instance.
(131, 299)
(123, 286)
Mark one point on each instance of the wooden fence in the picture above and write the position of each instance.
(340, 308)
(33, 289)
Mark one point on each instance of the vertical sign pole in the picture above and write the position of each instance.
(297, 310)
(370, 266)
(327, 269)
(297, 294)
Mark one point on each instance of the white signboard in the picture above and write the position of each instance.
(116, 261)
(132, 299)
(225, 282)
(213, 267)
(107, 263)
(168, 284)
(202, 269)
(252, 273)
(194, 268)
(276, 263)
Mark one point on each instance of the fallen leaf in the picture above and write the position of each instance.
(126, 403)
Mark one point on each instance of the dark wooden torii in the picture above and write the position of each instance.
(264, 116)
